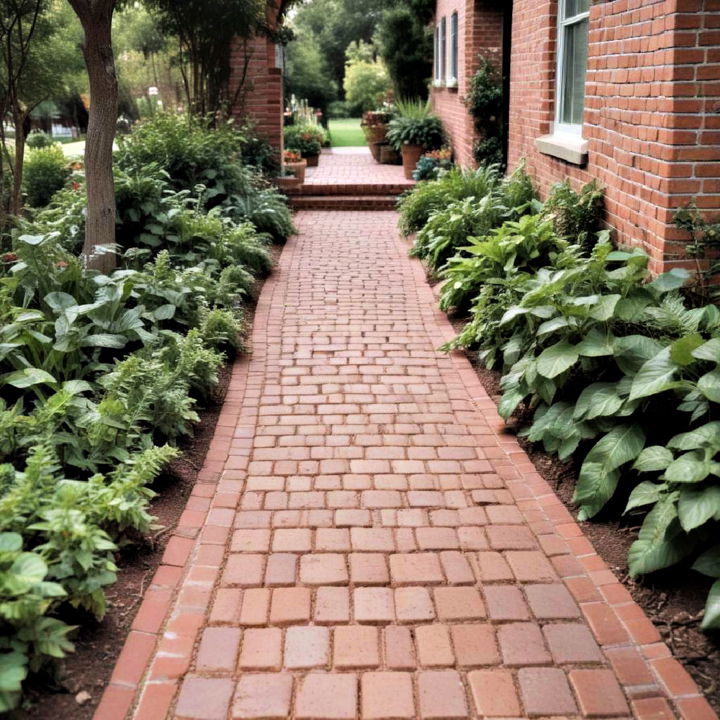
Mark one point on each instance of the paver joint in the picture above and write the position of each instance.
(373, 545)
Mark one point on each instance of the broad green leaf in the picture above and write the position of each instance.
(60, 301)
(706, 436)
(660, 541)
(509, 403)
(596, 400)
(32, 239)
(709, 562)
(698, 505)
(599, 474)
(552, 325)
(10, 542)
(605, 308)
(556, 359)
(709, 385)
(105, 340)
(27, 570)
(631, 309)
(653, 459)
(28, 377)
(633, 351)
(596, 344)
(711, 618)
(646, 493)
(692, 467)
(512, 313)
(164, 312)
(681, 351)
(13, 670)
(672, 280)
(655, 376)
(709, 351)
(76, 387)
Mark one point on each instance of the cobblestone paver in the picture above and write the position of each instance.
(365, 542)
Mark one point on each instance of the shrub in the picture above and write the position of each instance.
(427, 197)
(608, 364)
(432, 163)
(484, 103)
(39, 139)
(366, 84)
(45, 173)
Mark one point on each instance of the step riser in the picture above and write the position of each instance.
(345, 203)
(348, 190)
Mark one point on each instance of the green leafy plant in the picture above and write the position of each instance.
(704, 242)
(484, 103)
(306, 138)
(45, 173)
(414, 124)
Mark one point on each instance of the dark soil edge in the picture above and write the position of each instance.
(87, 671)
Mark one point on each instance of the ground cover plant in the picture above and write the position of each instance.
(600, 360)
(103, 374)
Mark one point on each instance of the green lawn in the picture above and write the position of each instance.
(347, 133)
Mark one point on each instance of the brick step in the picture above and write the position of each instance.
(316, 189)
(345, 202)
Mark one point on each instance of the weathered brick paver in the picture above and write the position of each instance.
(372, 544)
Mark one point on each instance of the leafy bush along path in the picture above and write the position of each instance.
(365, 542)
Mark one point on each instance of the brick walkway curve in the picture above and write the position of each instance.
(365, 542)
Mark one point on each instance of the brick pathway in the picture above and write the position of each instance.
(354, 166)
(365, 542)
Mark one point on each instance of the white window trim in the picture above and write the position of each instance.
(561, 128)
(454, 48)
(443, 49)
(566, 140)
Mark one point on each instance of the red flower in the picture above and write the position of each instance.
(75, 185)
(9, 257)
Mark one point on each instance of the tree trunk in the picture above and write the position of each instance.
(96, 19)
(19, 120)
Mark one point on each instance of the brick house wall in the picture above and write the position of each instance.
(652, 111)
(480, 31)
(256, 82)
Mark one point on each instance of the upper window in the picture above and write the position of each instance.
(443, 49)
(572, 58)
(454, 46)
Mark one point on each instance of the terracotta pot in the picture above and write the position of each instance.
(298, 169)
(312, 160)
(375, 133)
(411, 155)
(287, 182)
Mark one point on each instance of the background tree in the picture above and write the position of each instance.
(96, 19)
(39, 63)
(405, 37)
(367, 82)
(307, 75)
(205, 32)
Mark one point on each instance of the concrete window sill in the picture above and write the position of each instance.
(571, 149)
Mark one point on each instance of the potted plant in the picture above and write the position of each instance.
(287, 180)
(375, 127)
(414, 131)
(294, 162)
(306, 139)
(432, 163)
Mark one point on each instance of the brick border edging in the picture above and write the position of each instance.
(167, 624)
(617, 622)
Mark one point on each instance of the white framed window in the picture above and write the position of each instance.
(453, 49)
(443, 50)
(436, 72)
(572, 56)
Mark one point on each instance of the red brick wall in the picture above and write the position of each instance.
(261, 97)
(479, 32)
(652, 112)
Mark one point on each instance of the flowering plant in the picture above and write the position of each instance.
(291, 156)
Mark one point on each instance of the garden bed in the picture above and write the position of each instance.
(98, 644)
(673, 599)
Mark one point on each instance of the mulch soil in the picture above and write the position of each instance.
(77, 686)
